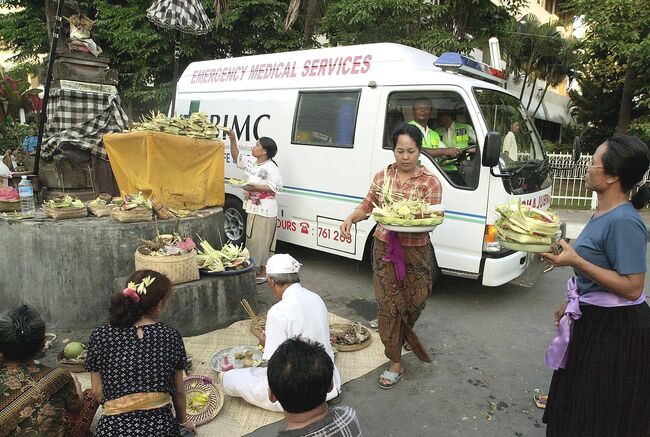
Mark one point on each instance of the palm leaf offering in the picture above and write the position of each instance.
(66, 201)
(197, 125)
(398, 210)
(522, 227)
(230, 257)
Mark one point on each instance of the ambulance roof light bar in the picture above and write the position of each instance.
(456, 62)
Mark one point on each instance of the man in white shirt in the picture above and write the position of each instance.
(299, 313)
(510, 142)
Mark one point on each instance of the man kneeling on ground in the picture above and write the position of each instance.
(300, 375)
(300, 312)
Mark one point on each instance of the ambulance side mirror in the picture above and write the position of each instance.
(491, 149)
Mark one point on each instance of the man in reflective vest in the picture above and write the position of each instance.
(459, 135)
(431, 143)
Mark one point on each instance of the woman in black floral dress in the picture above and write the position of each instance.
(137, 363)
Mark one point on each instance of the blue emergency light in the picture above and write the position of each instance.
(450, 61)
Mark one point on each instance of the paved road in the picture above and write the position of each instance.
(488, 347)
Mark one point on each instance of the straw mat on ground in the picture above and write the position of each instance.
(237, 417)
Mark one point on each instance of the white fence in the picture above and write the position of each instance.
(569, 184)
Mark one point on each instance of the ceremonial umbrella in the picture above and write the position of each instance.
(187, 16)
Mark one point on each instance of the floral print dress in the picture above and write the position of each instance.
(35, 400)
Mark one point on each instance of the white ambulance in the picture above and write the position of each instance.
(331, 112)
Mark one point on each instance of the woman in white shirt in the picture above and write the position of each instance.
(264, 181)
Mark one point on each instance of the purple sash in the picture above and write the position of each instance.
(395, 255)
(556, 355)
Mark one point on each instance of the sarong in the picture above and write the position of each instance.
(261, 237)
(395, 300)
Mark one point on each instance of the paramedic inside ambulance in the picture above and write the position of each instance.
(432, 145)
(462, 137)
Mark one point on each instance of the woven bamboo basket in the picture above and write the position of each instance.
(65, 213)
(178, 268)
(101, 211)
(132, 215)
(10, 206)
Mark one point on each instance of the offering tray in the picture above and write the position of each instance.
(337, 329)
(235, 182)
(197, 384)
(409, 229)
(251, 264)
(218, 358)
(533, 248)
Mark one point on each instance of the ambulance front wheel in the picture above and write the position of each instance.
(234, 220)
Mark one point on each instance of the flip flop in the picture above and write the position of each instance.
(407, 346)
(393, 377)
(260, 280)
(540, 401)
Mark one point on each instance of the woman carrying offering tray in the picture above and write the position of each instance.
(263, 182)
(601, 353)
(400, 260)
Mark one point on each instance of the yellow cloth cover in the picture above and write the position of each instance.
(135, 402)
(183, 172)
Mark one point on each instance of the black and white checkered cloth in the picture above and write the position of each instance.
(188, 16)
(81, 119)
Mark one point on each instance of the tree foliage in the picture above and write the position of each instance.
(615, 58)
(143, 54)
(434, 26)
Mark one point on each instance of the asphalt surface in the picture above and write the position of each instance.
(487, 345)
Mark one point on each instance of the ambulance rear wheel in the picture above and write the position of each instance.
(234, 220)
(433, 267)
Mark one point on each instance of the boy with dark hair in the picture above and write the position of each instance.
(300, 376)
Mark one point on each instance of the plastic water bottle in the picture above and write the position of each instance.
(26, 193)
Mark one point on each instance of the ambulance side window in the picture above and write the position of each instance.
(443, 118)
(326, 118)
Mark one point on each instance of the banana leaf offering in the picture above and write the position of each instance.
(230, 257)
(66, 201)
(527, 228)
(399, 210)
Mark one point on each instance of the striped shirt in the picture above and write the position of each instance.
(422, 184)
(338, 422)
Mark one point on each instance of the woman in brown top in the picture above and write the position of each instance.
(400, 302)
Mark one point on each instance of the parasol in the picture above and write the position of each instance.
(187, 16)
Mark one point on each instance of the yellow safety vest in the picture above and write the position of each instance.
(429, 141)
(460, 138)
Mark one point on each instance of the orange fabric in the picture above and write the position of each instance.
(136, 401)
(183, 172)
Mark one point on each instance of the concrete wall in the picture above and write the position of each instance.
(68, 270)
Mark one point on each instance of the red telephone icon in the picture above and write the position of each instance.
(304, 228)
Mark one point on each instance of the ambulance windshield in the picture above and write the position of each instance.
(522, 154)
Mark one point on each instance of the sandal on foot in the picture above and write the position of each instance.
(260, 280)
(540, 401)
(392, 377)
(407, 346)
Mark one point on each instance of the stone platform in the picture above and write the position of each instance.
(69, 269)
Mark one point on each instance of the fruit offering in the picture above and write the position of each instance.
(73, 350)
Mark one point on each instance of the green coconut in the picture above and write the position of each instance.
(73, 349)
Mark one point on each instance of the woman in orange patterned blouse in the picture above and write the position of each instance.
(400, 301)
